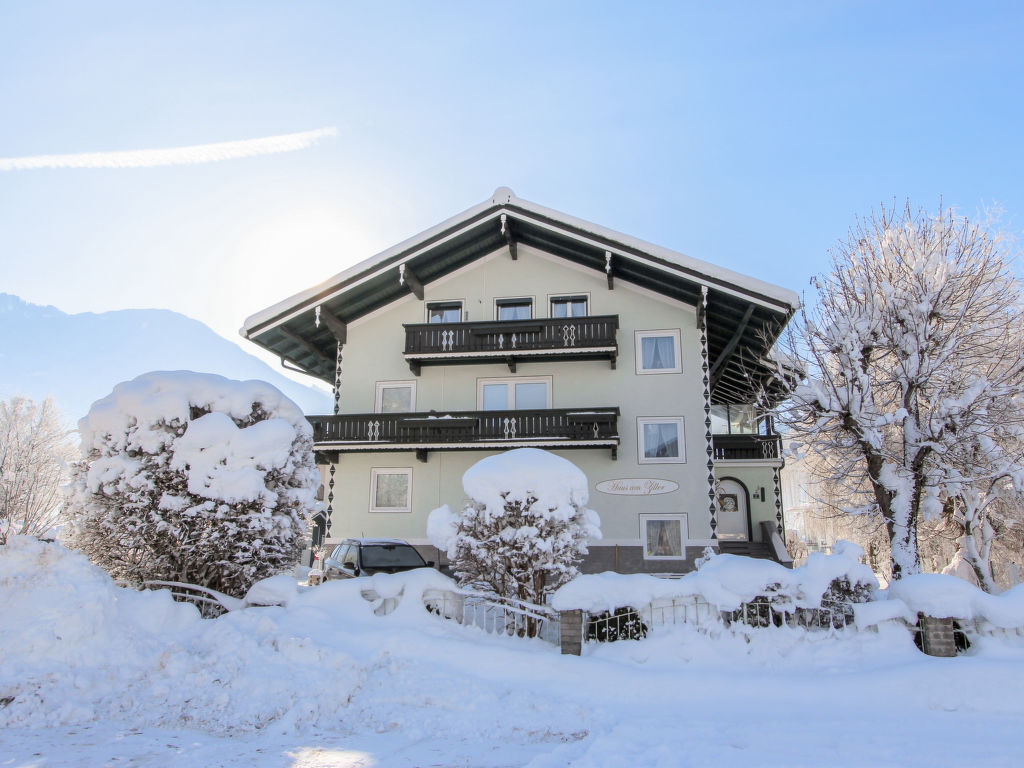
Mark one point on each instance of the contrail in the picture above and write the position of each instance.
(149, 158)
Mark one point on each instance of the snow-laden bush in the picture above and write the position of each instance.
(525, 529)
(728, 581)
(193, 477)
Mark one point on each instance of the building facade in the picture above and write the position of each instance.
(512, 325)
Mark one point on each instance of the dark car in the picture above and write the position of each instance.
(364, 557)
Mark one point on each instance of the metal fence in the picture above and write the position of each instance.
(628, 623)
(496, 615)
(210, 602)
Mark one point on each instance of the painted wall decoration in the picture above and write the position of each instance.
(728, 502)
(637, 486)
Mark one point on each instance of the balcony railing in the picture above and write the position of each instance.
(746, 447)
(467, 430)
(587, 338)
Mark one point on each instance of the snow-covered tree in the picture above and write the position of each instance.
(525, 528)
(195, 478)
(910, 352)
(35, 450)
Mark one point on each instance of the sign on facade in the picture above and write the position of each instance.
(637, 486)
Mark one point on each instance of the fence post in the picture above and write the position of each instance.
(937, 636)
(571, 625)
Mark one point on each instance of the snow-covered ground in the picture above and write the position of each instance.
(104, 676)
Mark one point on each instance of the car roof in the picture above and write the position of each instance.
(372, 541)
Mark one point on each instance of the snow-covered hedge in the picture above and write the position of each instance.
(526, 527)
(194, 478)
(726, 582)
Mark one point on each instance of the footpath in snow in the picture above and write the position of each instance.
(96, 675)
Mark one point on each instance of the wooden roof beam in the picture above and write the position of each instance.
(407, 277)
(723, 356)
(334, 325)
(506, 231)
(308, 346)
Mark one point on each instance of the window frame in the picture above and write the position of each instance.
(640, 446)
(513, 380)
(376, 472)
(499, 302)
(638, 349)
(450, 303)
(684, 534)
(553, 297)
(378, 399)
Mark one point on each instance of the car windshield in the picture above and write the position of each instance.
(388, 555)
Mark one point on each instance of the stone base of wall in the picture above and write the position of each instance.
(937, 636)
(621, 559)
(625, 559)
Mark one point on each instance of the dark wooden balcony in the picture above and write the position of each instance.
(466, 430)
(512, 341)
(746, 447)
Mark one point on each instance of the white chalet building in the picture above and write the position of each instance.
(513, 325)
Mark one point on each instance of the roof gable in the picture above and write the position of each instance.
(745, 315)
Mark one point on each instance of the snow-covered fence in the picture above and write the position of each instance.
(495, 615)
(210, 602)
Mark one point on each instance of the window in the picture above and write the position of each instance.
(734, 420)
(513, 309)
(663, 537)
(395, 397)
(658, 352)
(390, 490)
(514, 394)
(348, 557)
(660, 440)
(569, 306)
(444, 312)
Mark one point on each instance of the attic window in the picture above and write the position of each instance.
(514, 309)
(568, 306)
(444, 312)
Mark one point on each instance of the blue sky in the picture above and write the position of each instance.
(746, 134)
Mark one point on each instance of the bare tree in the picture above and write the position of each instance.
(35, 449)
(910, 354)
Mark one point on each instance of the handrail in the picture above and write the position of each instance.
(459, 427)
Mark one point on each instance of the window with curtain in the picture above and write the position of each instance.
(661, 440)
(444, 312)
(395, 397)
(390, 490)
(658, 352)
(663, 538)
(515, 394)
(515, 309)
(569, 306)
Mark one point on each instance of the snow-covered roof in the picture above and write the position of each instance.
(289, 328)
(504, 200)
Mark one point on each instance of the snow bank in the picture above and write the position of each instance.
(945, 596)
(79, 649)
(724, 581)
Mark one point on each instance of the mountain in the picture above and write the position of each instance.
(78, 359)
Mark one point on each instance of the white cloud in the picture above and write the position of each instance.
(149, 158)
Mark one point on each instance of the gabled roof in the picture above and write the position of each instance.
(745, 315)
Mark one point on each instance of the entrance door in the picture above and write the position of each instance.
(732, 511)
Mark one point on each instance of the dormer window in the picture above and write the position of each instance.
(514, 309)
(568, 306)
(444, 312)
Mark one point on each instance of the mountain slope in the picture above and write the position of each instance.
(78, 359)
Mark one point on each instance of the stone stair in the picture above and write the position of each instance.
(758, 549)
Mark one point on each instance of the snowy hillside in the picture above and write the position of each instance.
(79, 358)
